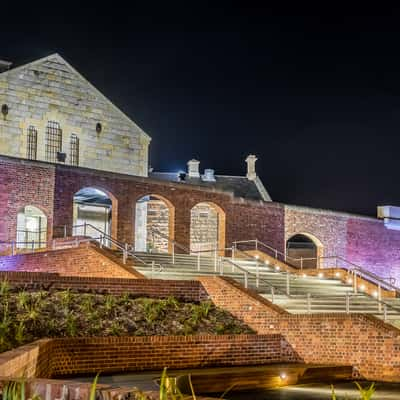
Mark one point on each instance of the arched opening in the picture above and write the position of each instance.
(94, 213)
(303, 250)
(154, 224)
(31, 228)
(207, 228)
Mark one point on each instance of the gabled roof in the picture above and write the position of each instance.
(60, 59)
(240, 186)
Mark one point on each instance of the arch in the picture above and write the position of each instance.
(95, 206)
(154, 223)
(304, 245)
(207, 227)
(32, 228)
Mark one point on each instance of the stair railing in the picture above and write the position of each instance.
(355, 270)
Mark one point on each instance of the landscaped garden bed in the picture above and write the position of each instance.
(26, 316)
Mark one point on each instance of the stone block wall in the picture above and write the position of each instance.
(51, 90)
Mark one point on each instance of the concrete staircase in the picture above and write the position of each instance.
(298, 294)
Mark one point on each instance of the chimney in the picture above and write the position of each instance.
(193, 168)
(5, 65)
(208, 175)
(251, 167)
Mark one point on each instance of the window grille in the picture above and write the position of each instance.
(31, 147)
(53, 140)
(74, 150)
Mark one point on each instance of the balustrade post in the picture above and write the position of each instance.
(301, 263)
(257, 274)
(272, 294)
(153, 263)
(287, 283)
(13, 248)
(385, 312)
(101, 241)
(256, 244)
(379, 298)
(65, 231)
(215, 260)
(198, 261)
(355, 282)
(173, 253)
(84, 229)
(246, 280)
(308, 303)
(233, 253)
(347, 303)
(221, 266)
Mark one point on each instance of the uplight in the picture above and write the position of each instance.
(349, 280)
(283, 375)
(375, 294)
(362, 287)
(337, 274)
(320, 275)
(277, 267)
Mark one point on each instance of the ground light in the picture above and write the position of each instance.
(283, 375)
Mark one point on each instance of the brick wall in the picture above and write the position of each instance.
(113, 354)
(359, 340)
(21, 184)
(155, 288)
(86, 260)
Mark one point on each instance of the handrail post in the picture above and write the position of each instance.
(101, 241)
(384, 312)
(173, 253)
(276, 253)
(301, 263)
(84, 229)
(221, 266)
(355, 282)
(379, 298)
(13, 248)
(153, 264)
(246, 279)
(257, 275)
(272, 294)
(287, 283)
(215, 260)
(198, 261)
(233, 253)
(125, 254)
(308, 303)
(65, 231)
(256, 244)
(347, 303)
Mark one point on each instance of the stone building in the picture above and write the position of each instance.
(51, 113)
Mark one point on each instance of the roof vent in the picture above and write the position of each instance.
(5, 65)
(208, 175)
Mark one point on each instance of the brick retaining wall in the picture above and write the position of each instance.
(191, 291)
(85, 260)
(354, 339)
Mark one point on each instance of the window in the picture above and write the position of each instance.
(53, 141)
(74, 150)
(31, 144)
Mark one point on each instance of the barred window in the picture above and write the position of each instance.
(31, 143)
(53, 140)
(74, 150)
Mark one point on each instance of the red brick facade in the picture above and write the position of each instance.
(186, 290)
(85, 260)
(51, 188)
(359, 340)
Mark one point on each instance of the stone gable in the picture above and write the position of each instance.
(51, 90)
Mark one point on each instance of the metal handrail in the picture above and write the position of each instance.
(355, 268)
(172, 241)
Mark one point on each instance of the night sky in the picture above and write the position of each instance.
(315, 94)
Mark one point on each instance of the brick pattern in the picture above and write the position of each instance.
(86, 260)
(113, 354)
(21, 186)
(191, 291)
(359, 340)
